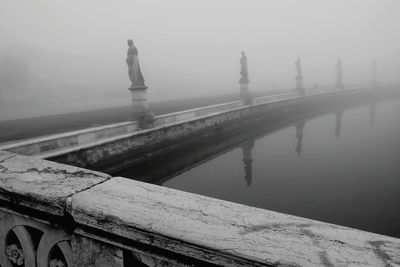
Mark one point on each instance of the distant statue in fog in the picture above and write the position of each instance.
(374, 80)
(339, 71)
(372, 112)
(244, 75)
(135, 74)
(299, 78)
(298, 68)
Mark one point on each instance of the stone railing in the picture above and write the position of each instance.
(195, 113)
(48, 144)
(58, 215)
(54, 145)
(114, 153)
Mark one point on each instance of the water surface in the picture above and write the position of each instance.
(342, 168)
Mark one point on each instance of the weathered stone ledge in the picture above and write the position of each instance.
(199, 227)
(191, 223)
(42, 185)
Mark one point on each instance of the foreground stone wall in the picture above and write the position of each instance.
(58, 215)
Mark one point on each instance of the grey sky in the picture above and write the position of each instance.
(199, 42)
(308, 27)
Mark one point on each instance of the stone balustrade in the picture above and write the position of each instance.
(115, 153)
(53, 214)
(61, 144)
(52, 145)
(48, 144)
(185, 115)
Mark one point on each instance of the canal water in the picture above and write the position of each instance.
(342, 168)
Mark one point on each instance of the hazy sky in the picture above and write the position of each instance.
(200, 41)
(312, 28)
(184, 34)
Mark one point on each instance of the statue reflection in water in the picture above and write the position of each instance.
(338, 126)
(372, 113)
(247, 160)
(299, 135)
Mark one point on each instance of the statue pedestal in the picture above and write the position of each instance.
(245, 94)
(299, 86)
(140, 107)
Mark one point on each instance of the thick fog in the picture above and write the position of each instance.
(61, 56)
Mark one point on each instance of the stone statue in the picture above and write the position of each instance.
(244, 75)
(299, 78)
(298, 67)
(132, 59)
(140, 106)
(339, 70)
(372, 113)
(374, 79)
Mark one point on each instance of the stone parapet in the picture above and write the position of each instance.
(57, 214)
(71, 142)
(42, 185)
(52, 145)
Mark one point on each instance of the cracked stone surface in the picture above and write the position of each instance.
(226, 233)
(41, 184)
(208, 229)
